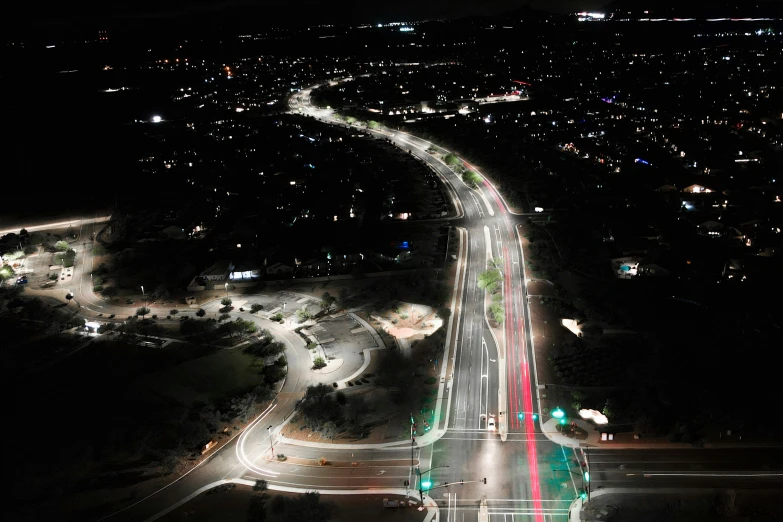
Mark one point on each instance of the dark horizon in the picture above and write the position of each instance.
(47, 18)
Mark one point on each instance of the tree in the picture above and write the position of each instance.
(35, 238)
(329, 430)
(99, 250)
(318, 392)
(201, 312)
(644, 426)
(489, 280)
(374, 125)
(62, 246)
(30, 250)
(173, 311)
(342, 296)
(444, 312)
(141, 312)
(276, 372)
(255, 308)
(327, 300)
(162, 292)
(451, 160)
(109, 292)
(6, 272)
(224, 317)
(303, 314)
(340, 398)
(318, 363)
(471, 178)
(496, 310)
(256, 511)
(244, 406)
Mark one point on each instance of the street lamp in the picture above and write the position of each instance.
(226, 285)
(271, 445)
(143, 296)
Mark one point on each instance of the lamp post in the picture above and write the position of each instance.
(143, 296)
(226, 285)
(271, 445)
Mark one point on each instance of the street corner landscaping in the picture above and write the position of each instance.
(379, 406)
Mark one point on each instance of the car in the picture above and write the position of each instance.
(21, 280)
(491, 422)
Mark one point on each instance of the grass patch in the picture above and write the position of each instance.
(205, 379)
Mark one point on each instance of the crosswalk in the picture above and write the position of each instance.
(483, 434)
(505, 510)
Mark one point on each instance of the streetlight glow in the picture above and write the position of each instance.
(558, 413)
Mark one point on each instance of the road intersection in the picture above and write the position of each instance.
(528, 477)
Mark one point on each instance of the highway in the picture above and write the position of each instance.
(493, 371)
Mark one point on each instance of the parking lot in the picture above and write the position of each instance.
(342, 337)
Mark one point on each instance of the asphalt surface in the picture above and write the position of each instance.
(469, 452)
(686, 468)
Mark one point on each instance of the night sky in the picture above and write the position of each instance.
(262, 13)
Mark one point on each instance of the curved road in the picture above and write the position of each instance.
(483, 372)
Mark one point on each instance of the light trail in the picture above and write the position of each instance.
(240, 447)
(520, 348)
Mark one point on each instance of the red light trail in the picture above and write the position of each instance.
(515, 349)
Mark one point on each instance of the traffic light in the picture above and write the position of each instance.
(587, 476)
(562, 421)
(535, 416)
(583, 495)
(521, 415)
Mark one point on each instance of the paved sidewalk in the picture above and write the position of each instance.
(421, 441)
